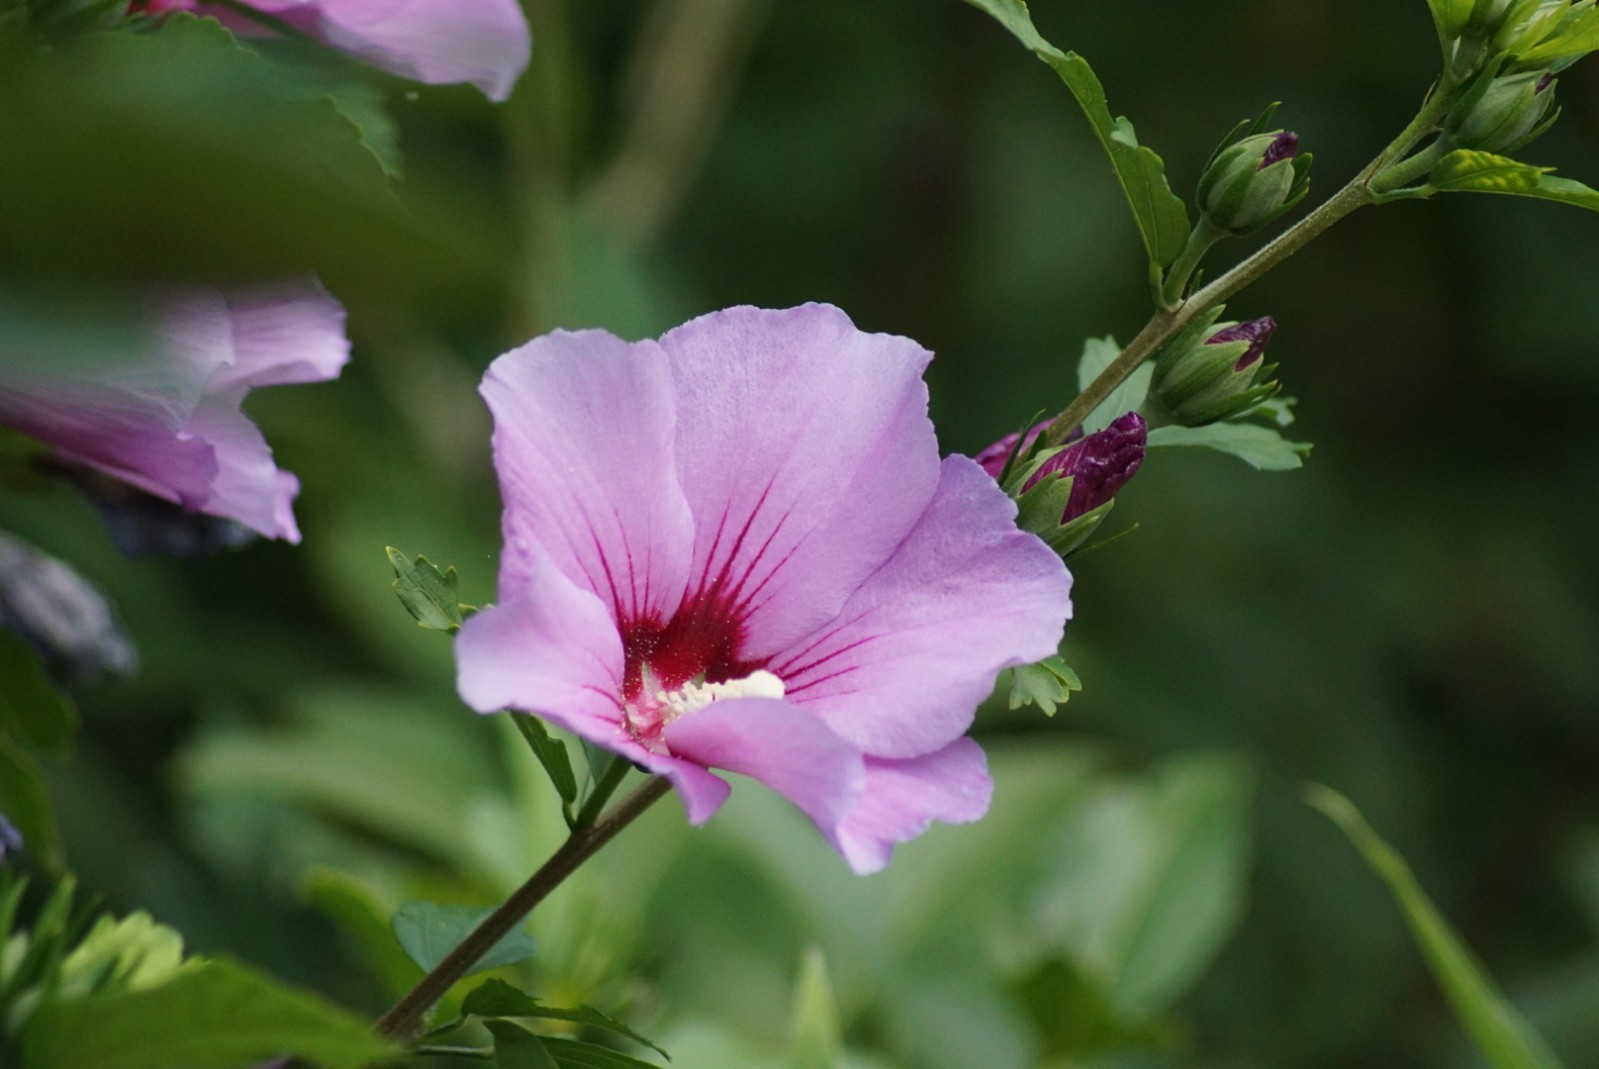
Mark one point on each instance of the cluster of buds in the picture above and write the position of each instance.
(1253, 179)
(1063, 493)
(1213, 371)
(1507, 53)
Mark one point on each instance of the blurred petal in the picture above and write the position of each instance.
(583, 440)
(805, 452)
(903, 797)
(901, 671)
(289, 333)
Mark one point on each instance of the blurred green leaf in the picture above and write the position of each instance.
(1147, 880)
(818, 1035)
(1472, 171)
(572, 1054)
(1162, 219)
(517, 1048)
(496, 998)
(551, 753)
(178, 154)
(1047, 684)
(429, 931)
(1577, 35)
(1098, 354)
(427, 593)
(33, 710)
(354, 908)
(1262, 448)
(213, 1015)
(1499, 1031)
(26, 804)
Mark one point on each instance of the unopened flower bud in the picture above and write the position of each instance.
(61, 615)
(1506, 116)
(1252, 181)
(1064, 493)
(1215, 372)
(10, 839)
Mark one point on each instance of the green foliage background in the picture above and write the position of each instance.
(1411, 619)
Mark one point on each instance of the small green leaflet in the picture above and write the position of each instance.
(428, 932)
(1499, 1031)
(1047, 684)
(1099, 354)
(427, 593)
(517, 1048)
(1161, 217)
(496, 998)
(1471, 171)
(818, 1037)
(551, 753)
(1577, 35)
(1262, 448)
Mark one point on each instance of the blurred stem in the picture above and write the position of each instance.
(604, 786)
(1166, 323)
(679, 85)
(404, 1021)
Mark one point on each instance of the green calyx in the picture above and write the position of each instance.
(1198, 380)
(1245, 187)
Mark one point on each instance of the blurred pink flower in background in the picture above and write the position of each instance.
(736, 548)
(484, 42)
(167, 420)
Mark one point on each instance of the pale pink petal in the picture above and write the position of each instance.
(288, 333)
(551, 649)
(903, 797)
(583, 440)
(485, 42)
(805, 452)
(701, 791)
(248, 487)
(902, 669)
(783, 747)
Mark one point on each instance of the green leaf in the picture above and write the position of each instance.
(429, 931)
(818, 1036)
(26, 804)
(1161, 217)
(1471, 171)
(1500, 1032)
(517, 1048)
(1577, 35)
(551, 753)
(1046, 684)
(496, 998)
(212, 1015)
(1147, 880)
(1262, 448)
(1098, 354)
(427, 593)
(34, 712)
(572, 1054)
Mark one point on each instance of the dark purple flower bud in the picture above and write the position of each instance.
(1099, 464)
(992, 459)
(1285, 146)
(10, 838)
(61, 615)
(1257, 332)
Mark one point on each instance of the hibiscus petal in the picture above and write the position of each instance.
(902, 670)
(903, 797)
(551, 650)
(248, 487)
(785, 748)
(485, 42)
(583, 430)
(788, 421)
(293, 332)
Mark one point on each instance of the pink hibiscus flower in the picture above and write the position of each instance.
(736, 548)
(484, 42)
(168, 420)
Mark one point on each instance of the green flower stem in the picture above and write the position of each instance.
(604, 787)
(404, 1021)
(1166, 323)
(1200, 239)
